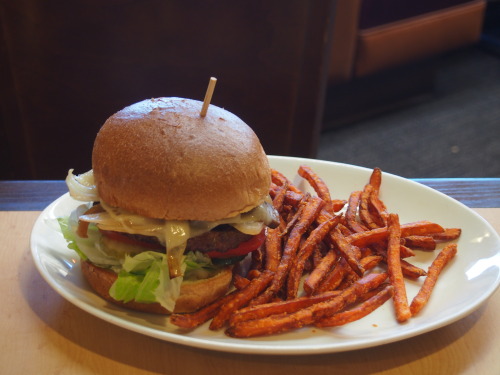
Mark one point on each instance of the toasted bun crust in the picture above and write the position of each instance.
(158, 158)
(194, 294)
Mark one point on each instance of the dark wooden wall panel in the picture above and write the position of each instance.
(68, 65)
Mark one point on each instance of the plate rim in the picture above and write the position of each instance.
(242, 346)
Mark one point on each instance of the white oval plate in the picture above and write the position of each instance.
(467, 281)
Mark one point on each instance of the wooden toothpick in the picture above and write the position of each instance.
(208, 96)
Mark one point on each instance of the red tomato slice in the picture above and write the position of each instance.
(244, 248)
(117, 236)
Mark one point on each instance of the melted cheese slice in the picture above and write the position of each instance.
(174, 234)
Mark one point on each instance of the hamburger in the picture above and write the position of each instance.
(173, 201)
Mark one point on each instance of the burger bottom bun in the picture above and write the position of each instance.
(193, 296)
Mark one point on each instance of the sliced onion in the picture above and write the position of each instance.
(251, 227)
(82, 187)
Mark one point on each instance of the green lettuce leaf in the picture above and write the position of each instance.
(197, 260)
(145, 278)
(70, 236)
(90, 248)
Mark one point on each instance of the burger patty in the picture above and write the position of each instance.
(221, 238)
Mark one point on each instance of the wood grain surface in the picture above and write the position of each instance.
(42, 333)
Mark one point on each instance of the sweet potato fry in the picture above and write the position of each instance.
(316, 236)
(293, 198)
(334, 278)
(368, 263)
(420, 242)
(381, 249)
(364, 208)
(319, 273)
(411, 271)
(423, 295)
(280, 307)
(420, 228)
(449, 234)
(364, 239)
(318, 185)
(294, 216)
(317, 255)
(338, 204)
(305, 251)
(350, 277)
(239, 281)
(273, 249)
(405, 252)
(347, 250)
(408, 269)
(363, 286)
(376, 179)
(378, 208)
(279, 197)
(240, 299)
(323, 216)
(253, 274)
(394, 269)
(257, 257)
(372, 211)
(371, 261)
(346, 232)
(351, 213)
(197, 318)
(280, 179)
(360, 311)
(273, 190)
(366, 251)
(284, 322)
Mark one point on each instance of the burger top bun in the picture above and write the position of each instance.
(159, 158)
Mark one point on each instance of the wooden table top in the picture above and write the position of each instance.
(42, 333)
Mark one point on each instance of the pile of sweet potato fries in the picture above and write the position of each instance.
(330, 262)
